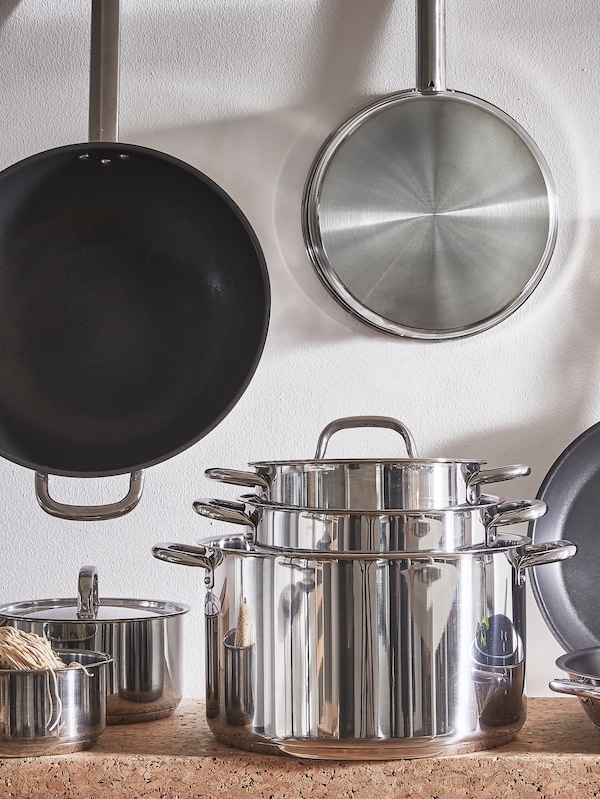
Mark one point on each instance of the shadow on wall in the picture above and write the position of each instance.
(6, 9)
(250, 156)
(565, 368)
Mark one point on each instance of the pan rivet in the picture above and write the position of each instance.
(124, 157)
(105, 161)
(85, 157)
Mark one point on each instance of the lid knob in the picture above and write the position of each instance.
(87, 593)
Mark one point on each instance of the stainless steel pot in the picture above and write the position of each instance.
(391, 484)
(446, 530)
(143, 636)
(378, 655)
(45, 712)
(583, 667)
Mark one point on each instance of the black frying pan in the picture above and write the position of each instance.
(566, 591)
(134, 300)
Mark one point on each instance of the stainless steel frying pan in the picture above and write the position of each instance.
(431, 213)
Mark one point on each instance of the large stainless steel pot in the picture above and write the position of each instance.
(143, 636)
(289, 527)
(377, 655)
(388, 484)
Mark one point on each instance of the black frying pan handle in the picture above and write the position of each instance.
(104, 71)
(89, 513)
(431, 45)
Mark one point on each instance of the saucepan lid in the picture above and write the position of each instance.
(87, 606)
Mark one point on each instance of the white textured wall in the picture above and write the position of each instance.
(247, 91)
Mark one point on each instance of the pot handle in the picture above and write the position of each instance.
(220, 510)
(499, 474)
(89, 513)
(540, 554)
(575, 688)
(235, 477)
(524, 510)
(187, 555)
(349, 422)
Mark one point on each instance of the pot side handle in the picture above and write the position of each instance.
(185, 555)
(524, 510)
(223, 511)
(239, 478)
(89, 513)
(498, 475)
(349, 422)
(540, 554)
(575, 688)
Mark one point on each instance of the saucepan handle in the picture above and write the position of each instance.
(524, 510)
(575, 688)
(186, 555)
(220, 510)
(89, 513)
(351, 422)
(499, 474)
(239, 478)
(540, 554)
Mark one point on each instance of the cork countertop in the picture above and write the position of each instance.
(556, 754)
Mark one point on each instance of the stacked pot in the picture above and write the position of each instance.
(369, 608)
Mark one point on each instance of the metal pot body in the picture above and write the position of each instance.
(143, 637)
(373, 656)
(49, 713)
(448, 530)
(376, 484)
(583, 668)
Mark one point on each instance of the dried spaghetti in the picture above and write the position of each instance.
(22, 651)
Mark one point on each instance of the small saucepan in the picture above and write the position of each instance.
(53, 712)
(583, 667)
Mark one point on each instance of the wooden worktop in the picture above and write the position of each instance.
(556, 754)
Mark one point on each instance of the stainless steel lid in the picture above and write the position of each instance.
(87, 606)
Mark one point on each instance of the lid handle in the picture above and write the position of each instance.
(350, 422)
(87, 593)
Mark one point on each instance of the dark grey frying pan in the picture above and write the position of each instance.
(134, 301)
(431, 213)
(566, 592)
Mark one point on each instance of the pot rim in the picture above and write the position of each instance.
(568, 662)
(240, 545)
(485, 502)
(403, 462)
(95, 659)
